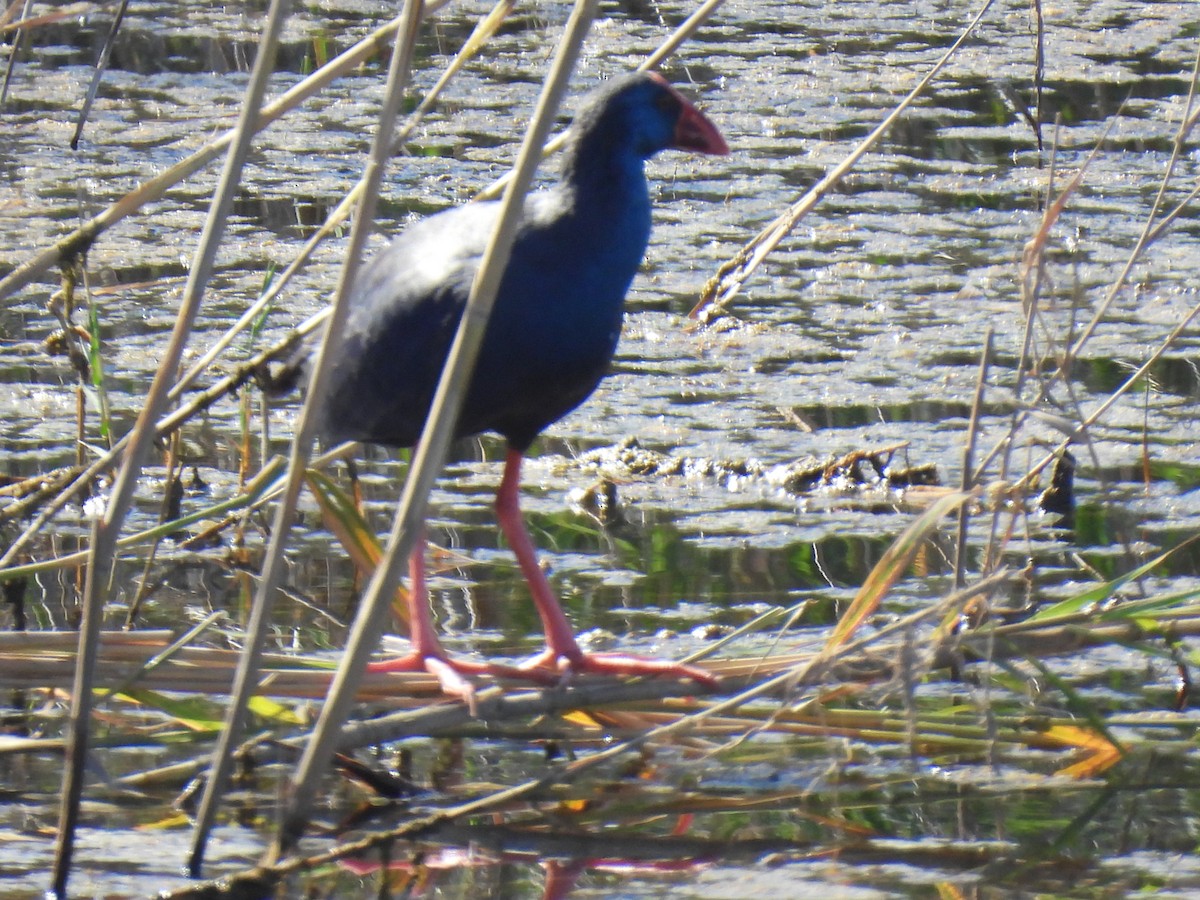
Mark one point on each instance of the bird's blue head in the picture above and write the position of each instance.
(641, 114)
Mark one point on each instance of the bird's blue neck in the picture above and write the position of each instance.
(610, 193)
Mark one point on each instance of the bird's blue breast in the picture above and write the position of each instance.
(550, 338)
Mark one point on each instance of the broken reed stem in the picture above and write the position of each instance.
(98, 72)
(162, 657)
(967, 483)
(96, 359)
(167, 512)
(1039, 68)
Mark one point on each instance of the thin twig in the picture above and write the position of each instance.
(98, 73)
(972, 438)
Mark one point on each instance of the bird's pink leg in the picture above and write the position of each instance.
(427, 654)
(562, 650)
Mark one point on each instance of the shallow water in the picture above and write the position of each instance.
(866, 325)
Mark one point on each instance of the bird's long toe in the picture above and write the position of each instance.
(619, 664)
(452, 675)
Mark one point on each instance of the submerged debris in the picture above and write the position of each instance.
(1059, 498)
(857, 470)
(600, 501)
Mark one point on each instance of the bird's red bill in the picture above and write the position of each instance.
(695, 132)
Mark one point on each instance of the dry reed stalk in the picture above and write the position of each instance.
(969, 443)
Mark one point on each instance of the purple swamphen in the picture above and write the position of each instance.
(550, 339)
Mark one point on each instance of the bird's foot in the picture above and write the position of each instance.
(617, 664)
(454, 675)
(451, 674)
(548, 668)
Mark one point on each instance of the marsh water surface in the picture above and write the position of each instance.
(864, 329)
